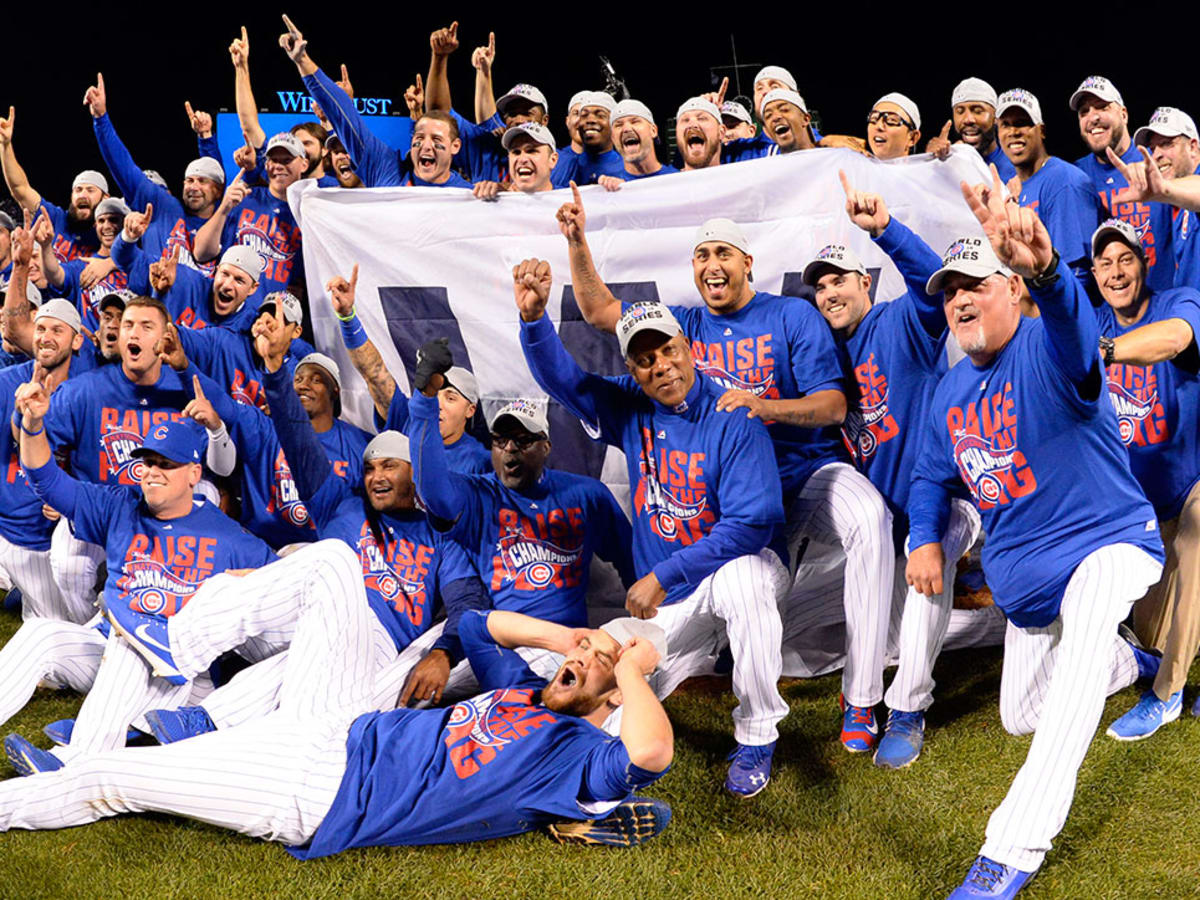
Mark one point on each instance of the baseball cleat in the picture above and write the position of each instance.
(988, 878)
(902, 741)
(750, 770)
(12, 600)
(60, 732)
(632, 822)
(28, 759)
(860, 730)
(147, 634)
(171, 725)
(1148, 659)
(1147, 716)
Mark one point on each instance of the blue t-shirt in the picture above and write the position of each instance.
(87, 300)
(102, 417)
(466, 455)
(1002, 163)
(495, 765)
(590, 166)
(532, 548)
(454, 181)
(1158, 406)
(703, 482)
(344, 445)
(776, 348)
(189, 301)
(1064, 200)
(1045, 465)
(70, 240)
(1186, 246)
(1151, 221)
(265, 223)
(228, 358)
(21, 519)
(664, 169)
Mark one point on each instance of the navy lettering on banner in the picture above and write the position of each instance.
(417, 315)
(794, 286)
(595, 351)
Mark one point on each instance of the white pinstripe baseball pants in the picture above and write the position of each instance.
(275, 778)
(839, 506)
(924, 620)
(58, 654)
(74, 564)
(1054, 683)
(739, 601)
(30, 571)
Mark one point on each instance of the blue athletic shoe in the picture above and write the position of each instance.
(12, 600)
(902, 741)
(28, 759)
(147, 635)
(751, 769)
(60, 732)
(1148, 660)
(989, 878)
(632, 822)
(860, 730)
(171, 725)
(1196, 707)
(1147, 716)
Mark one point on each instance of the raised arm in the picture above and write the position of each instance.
(16, 325)
(1146, 184)
(54, 486)
(14, 175)
(136, 188)
(363, 353)
(442, 43)
(207, 244)
(43, 235)
(485, 94)
(445, 493)
(599, 307)
(645, 728)
(247, 109)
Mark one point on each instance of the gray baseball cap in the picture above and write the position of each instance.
(92, 177)
(529, 414)
(292, 310)
(63, 310)
(111, 206)
(6, 221)
(205, 167)
(1119, 229)
(464, 382)
(839, 256)
(388, 445)
(245, 258)
(324, 362)
(539, 133)
(647, 316)
(627, 627)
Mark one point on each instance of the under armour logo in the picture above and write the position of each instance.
(758, 778)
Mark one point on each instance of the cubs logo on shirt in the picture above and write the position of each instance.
(152, 588)
(285, 498)
(117, 447)
(984, 436)
(397, 573)
(873, 425)
(479, 728)
(534, 553)
(671, 493)
(1141, 416)
(161, 573)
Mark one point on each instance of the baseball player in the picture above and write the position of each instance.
(897, 352)
(893, 126)
(699, 134)
(973, 118)
(1024, 423)
(68, 278)
(160, 547)
(776, 359)
(325, 774)
(1104, 126)
(708, 547)
(1148, 341)
(458, 399)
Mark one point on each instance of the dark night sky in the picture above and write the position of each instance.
(844, 56)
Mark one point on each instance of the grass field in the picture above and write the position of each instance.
(830, 824)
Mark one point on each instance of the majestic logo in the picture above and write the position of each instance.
(479, 728)
(982, 465)
(153, 588)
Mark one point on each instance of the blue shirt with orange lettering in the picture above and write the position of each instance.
(266, 223)
(228, 358)
(465, 455)
(495, 765)
(21, 519)
(1158, 406)
(101, 417)
(70, 239)
(87, 300)
(702, 480)
(532, 547)
(1034, 438)
(895, 352)
(777, 348)
(344, 445)
(154, 565)
(1186, 246)
(1002, 163)
(190, 302)
(1151, 221)
(1064, 200)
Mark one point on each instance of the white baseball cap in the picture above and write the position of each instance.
(388, 445)
(530, 414)
(293, 311)
(648, 315)
(63, 310)
(245, 258)
(1021, 99)
(92, 177)
(779, 73)
(906, 104)
(782, 94)
(111, 206)
(1097, 86)
(627, 627)
(463, 381)
(286, 141)
(324, 362)
(154, 177)
(719, 229)
(577, 99)
(525, 92)
(1120, 229)
(971, 256)
(539, 133)
(699, 104)
(602, 99)
(205, 167)
(735, 110)
(33, 294)
(6, 221)
(1168, 122)
(632, 108)
(973, 89)
(839, 256)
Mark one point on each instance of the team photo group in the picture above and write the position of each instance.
(361, 512)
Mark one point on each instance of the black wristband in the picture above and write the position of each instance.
(1047, 276)
(1108, 348)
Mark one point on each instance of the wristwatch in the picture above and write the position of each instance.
(1108, 348)
(1047, 276)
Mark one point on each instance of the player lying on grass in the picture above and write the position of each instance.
(324, 773)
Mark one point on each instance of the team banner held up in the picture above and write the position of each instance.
(435, 262)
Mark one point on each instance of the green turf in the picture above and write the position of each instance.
(829, 825)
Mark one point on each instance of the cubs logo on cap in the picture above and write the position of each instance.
(1097, 86)
(971, 256)
(1021, 99)
(1119, 229)
(647, 316)
(837, 256)
(177, 441)
(529, 414)
(1167, 121)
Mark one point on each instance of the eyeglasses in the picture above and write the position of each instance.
(890, 119)
(520, 441)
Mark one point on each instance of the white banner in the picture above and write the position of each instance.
(435, 261)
